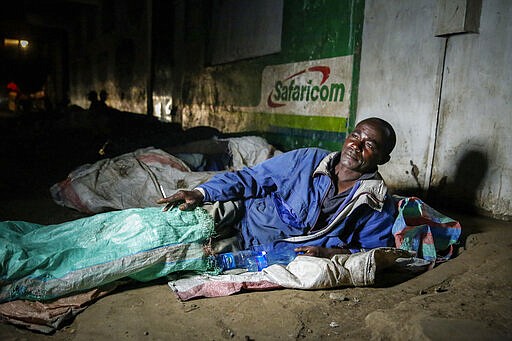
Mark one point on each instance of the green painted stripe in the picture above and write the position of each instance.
(322, 123)
(289, 138)
(357, 33)
(286, 139)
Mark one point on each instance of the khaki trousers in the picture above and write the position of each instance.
(226, 216)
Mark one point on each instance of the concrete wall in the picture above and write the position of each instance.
(164, 48)
(108, 50)
(233, 96)
(474, 159)
(449, 99)
(447, 96)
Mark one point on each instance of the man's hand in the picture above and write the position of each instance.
(188, 199)
(318, 251)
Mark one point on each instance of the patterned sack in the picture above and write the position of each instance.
(422, 230)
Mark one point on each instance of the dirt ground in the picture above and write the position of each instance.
(469, 297)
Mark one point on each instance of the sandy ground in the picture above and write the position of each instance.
(469, 297)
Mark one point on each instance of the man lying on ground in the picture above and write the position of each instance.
(310, 200)
(319, 202)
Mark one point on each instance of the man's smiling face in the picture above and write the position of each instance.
(365, 147)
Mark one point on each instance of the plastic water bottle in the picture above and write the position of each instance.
(254, 260)
(281, 256)
(248, 259)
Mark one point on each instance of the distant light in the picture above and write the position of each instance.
(16, 43)
(11, 42)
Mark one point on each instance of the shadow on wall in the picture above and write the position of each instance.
(461, 193)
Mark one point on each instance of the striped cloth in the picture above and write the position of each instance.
(422, 230)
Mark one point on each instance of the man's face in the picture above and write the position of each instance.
(364, 148)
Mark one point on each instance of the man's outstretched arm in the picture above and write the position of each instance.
(187, 200)
(319, 251)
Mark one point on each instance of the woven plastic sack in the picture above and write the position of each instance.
(426, 232)
(131, 180)
(40, 262)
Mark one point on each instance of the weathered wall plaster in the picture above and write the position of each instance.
(448, 98)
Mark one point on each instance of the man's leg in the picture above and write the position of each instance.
(226, 216)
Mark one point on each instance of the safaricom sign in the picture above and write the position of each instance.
(318, 87)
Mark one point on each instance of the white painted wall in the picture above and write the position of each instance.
(476, 113)
(399, 81)
(444, 120)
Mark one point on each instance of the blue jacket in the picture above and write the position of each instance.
(283, 196)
